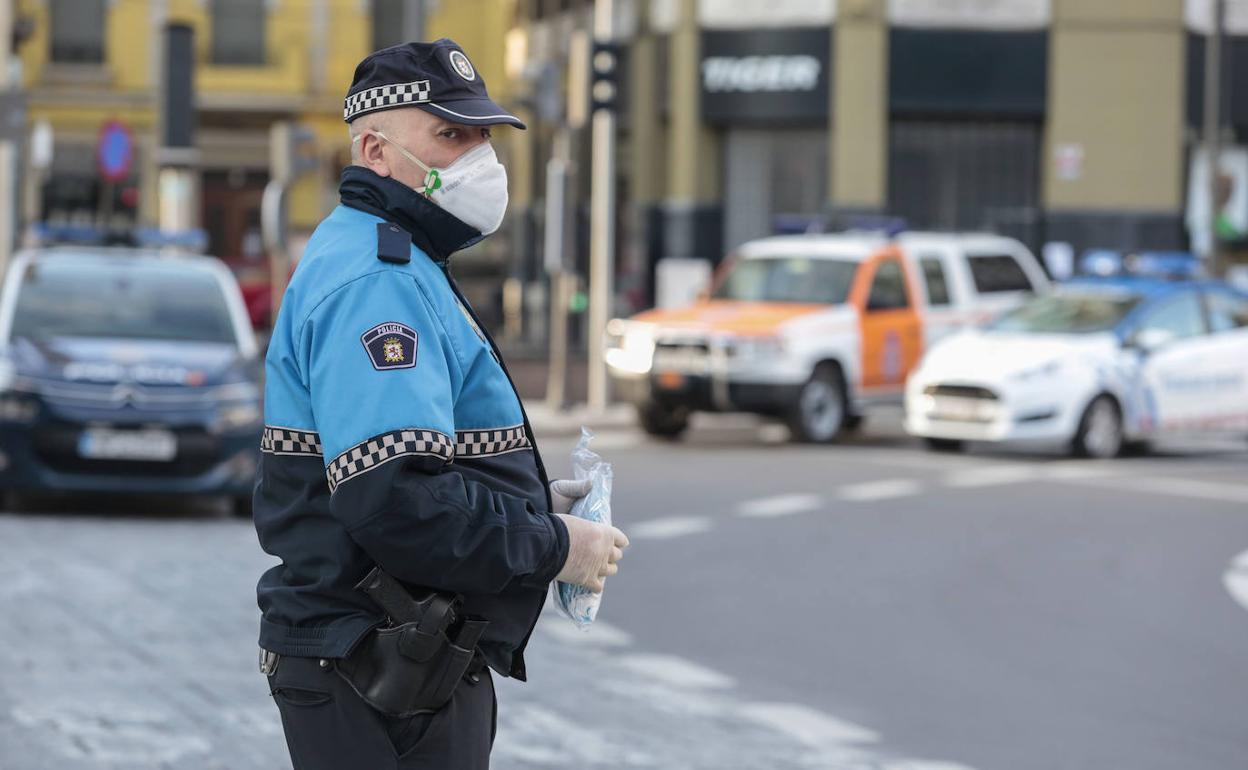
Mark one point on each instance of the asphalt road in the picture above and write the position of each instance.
(861, 606)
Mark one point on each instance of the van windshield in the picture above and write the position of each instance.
(788, 279)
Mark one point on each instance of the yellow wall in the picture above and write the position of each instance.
(1116, 90)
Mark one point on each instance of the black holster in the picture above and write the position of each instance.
(413, 667)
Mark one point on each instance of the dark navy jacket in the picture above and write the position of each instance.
(394, 437)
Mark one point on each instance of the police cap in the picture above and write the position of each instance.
(437, 77)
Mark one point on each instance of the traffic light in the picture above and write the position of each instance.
(605, 85)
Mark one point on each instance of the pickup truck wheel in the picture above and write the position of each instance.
(820, 413)
(1100, 434)
(662, 421)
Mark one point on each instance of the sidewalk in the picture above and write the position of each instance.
(568, 422)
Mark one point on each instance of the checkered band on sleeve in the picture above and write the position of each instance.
(385, 97)
(482, 443)
(288, 441)
(365, 456)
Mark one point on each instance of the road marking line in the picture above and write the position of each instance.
(808, 726)
(599, 634)
(1236, 579)
(675, 671)
(885, 489)
(924, 764)
(779, 505)
(992, 475)
(1204, 490)
(675, 526)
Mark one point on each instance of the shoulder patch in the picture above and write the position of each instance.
(394, 244)
(391, 346)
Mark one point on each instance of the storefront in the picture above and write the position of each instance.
(767, 91)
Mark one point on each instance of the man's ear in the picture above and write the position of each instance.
(371, 155)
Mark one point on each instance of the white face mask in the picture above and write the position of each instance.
(473, 188)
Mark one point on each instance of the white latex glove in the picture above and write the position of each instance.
(594, 552)
(565, 492)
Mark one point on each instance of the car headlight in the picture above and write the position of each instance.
(756, 347)
(630, 346)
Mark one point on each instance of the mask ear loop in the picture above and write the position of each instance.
(433, 178)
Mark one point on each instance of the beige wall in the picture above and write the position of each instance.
(693, 149)
(859, 138)
(1116, 90)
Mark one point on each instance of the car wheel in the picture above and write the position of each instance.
(662, 421)
(944, 444)
(853, 422)
(819, 414)
(1100, 430)
(240, 507)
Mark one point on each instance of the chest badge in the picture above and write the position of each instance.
(391, 345)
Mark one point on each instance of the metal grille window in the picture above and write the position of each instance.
(998, 273)
(934, 280)
(77, 31)
(238, 32)
(964, 175)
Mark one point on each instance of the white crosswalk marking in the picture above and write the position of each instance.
(993, 475)
(675, 526)
(1236, 579)
(779, 505)
(884, 489)
(807, 725)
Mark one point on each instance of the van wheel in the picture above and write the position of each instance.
(944, 444)
(662, 421)
(820, 412)
(1100, 430)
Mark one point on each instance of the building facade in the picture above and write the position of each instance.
(1050, 120)
(96, 63)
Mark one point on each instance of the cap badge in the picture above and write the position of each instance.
(464, 67)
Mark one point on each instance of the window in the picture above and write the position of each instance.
(77, 31)
(144, 299)
(1227, 311)
(388, 23)
(1068, 313)
(994, 273)
(888, 288)
(1182, 317)
(788, 279)
(238, 31)
(934, 279)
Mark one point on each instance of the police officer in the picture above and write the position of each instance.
(394, 439)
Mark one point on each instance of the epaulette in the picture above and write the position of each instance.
(394, 244)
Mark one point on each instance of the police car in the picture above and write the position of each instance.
(124, 370)
(814, 328)
(1103, 364)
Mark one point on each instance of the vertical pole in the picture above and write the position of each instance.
(414, 20)
(556, 267)
(602, 224)
(1213, 128)
(8, 151)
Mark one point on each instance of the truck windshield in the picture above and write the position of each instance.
(72, 297)
(788, 279)
(1068, 314)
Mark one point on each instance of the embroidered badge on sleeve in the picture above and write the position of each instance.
(391, 346)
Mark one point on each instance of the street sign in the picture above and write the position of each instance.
(115, 151)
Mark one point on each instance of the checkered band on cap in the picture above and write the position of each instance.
(288, 441)
(385, 97)
(365, 456)
(481, 443)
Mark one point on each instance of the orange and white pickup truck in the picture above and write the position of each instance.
(813, 328)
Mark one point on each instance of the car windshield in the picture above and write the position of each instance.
(788, 279)
(143, 299)
(1068, 314)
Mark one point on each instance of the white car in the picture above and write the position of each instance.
(1101, 365)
